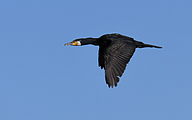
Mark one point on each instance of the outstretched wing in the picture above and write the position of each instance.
(114, 59)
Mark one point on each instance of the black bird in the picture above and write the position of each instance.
(115, 51)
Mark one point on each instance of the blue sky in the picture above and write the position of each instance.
(40, 79)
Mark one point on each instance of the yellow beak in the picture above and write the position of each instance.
(74, 43)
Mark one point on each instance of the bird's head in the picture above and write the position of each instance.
(74, 43)
(83, 41)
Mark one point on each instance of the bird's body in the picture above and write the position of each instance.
(115, 51)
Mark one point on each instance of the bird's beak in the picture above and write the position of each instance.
(74, 43)
(68, 44)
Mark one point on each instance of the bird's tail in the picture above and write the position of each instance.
(142, 45)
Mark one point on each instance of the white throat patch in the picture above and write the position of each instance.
(78, 42)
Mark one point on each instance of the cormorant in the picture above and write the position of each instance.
(115, 51)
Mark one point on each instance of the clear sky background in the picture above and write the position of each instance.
(40, 79)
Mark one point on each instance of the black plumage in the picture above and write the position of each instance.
(115, 51)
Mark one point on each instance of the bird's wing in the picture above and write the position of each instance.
(116, 57)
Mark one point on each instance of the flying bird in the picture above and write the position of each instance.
(115, 51)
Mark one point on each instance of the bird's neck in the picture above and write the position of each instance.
(86, 41)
